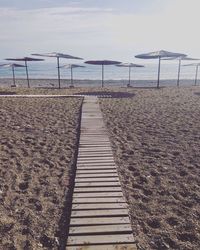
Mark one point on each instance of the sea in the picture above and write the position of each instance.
(48, 70)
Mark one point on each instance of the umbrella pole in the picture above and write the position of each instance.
(158, 82)
(58, 64)
(179, 70)
(13, 72)
(27, 74)
(102, 83)
(197, 68)
(129, 82)
(72, 84)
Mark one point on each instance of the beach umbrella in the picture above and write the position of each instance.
(197, 69)
(12, 66)
(180, 59)
(102, 63)
(159, 55)
(129, 66)
(58, 56)
(25, 60)
(71, 67)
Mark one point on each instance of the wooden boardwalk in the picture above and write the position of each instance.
(99, 217)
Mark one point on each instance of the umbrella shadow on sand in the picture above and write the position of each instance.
(7, 93)
(107, 94)
(144, 87)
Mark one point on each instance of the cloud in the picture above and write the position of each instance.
(172, 28)
(101, 32)
(51, 29)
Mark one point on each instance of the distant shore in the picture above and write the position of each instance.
(7, 82)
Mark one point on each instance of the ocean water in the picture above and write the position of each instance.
(45, 70)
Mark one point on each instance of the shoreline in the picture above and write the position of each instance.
(21, 82)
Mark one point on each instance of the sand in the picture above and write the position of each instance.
(155, 137)
(37, 157)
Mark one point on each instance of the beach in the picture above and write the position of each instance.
(155, 139)
(37, 161)
(156, 142)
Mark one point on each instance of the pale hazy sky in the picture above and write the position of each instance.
(99, 29)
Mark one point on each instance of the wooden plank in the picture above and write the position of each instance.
(96, 175)
(99, 220)
(100, 229)
(82, 180)
(96, 159)
(93, 138)
(93, 135)
(94, 155)
(99, 155)
(99, 213)
(89, 146)
(90, 125)
(108, 170)
(98, 194)
(94, 167)
(97, 151)
(102, 129)
(100, 239)
(97, 189)
(90, 128)
(103, 137)
(95, 171)
(95, 122)
(127, 246)
(96, 162)
(96, 138)
(98, 200)
(97, 184)
(93, 150)
(100, 164)
(98, 206)
(90, 134)
(97, 168)
(95, 143)
(86, 116)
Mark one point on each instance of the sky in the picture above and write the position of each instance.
(99, 29)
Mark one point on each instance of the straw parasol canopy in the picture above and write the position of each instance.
(197, 69)
(58, 56)
(180, 59)
(158, 55)
(12, 66)
(71, 67)
(102, 63)
(25, 60)
(129, 66)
